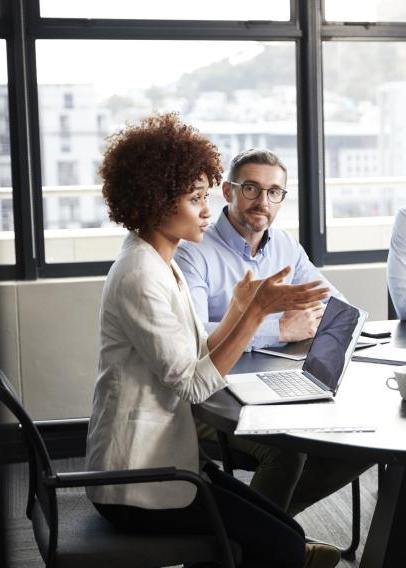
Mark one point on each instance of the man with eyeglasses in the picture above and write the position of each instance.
(243, 239)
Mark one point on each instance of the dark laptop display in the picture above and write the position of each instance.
(327, 355)
(322, 371)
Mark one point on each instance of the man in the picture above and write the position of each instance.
(397, 264)
(243, 239)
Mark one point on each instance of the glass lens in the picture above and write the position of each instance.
(219, 87)
(165, 10)
(275, 195)
(250, 191)
(7, 249)
(365, 141)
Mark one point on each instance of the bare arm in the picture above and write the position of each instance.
(228, 341)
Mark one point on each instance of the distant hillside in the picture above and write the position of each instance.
(351, 69)
(274, 66)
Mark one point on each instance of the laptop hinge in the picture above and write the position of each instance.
(316, 381)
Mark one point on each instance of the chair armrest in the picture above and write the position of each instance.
(89, 478)
(113, 477)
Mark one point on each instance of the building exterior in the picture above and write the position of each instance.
(74, 124)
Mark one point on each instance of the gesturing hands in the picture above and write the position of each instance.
(296, 325)
(245, 290)
(271, 295)
(274, 296)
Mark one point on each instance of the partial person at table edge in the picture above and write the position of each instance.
(396, 270)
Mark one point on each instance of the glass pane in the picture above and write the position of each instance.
(165, 10)
(7, 249)
(365, 10)
(365, 141)
(241, 94)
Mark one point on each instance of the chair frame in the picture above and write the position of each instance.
(41, 475)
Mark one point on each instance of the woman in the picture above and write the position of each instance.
(155, 359)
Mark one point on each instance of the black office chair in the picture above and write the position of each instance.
(70, 532)
(234, 459)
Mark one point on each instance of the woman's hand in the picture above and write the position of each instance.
(245, 290)
(274, 296)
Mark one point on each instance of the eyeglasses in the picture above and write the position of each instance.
(252, 191)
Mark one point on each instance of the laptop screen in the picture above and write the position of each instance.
(333, 343)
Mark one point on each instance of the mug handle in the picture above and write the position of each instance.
(388, 385)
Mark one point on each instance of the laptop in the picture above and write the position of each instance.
(322, 370)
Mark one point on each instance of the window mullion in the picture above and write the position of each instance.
(312, 223)
(19, 144)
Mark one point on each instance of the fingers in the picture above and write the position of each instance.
(312, 306)
(305, 299)
(247, 277)
(318, 312)
(317, 306)
(310, 285)
(280, 275)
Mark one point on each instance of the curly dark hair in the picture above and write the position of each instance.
(147, 167)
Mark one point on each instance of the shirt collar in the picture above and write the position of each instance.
(233, 238)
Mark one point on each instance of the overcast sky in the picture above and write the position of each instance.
(117, 66)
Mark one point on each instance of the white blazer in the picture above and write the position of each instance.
(153, 363)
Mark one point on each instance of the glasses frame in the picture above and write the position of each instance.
(260, 189)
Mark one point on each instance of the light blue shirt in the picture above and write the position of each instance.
(213, 267)
(397, 264)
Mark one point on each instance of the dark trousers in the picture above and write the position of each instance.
(267, 536)
(292, 480)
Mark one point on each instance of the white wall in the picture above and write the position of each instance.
(48, 334)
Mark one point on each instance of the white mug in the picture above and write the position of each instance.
(398, 381)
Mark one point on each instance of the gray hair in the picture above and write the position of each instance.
(254, 156)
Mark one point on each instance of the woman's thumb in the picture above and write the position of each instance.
(281, 274)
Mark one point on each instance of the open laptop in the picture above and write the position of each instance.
(323, 368)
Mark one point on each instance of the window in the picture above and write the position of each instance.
(365, 141)
(365, 10)
(68, 100)
(7, 252)
(67, 173)
(64, 123)
(230, 71)
(220, 87)
(162, 9)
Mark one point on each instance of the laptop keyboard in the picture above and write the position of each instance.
(289, 383)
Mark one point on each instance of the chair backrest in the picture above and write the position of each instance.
(41, 498)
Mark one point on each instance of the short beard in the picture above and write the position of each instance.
(244, 222)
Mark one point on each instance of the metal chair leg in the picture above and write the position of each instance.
(225, 451)
(349, 552)
(381, 473)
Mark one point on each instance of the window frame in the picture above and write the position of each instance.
(307, 28)
(358, 31)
